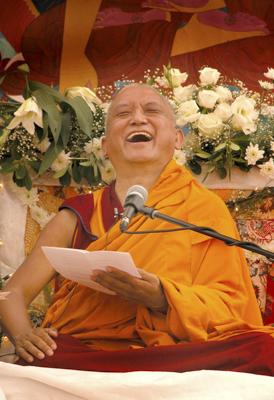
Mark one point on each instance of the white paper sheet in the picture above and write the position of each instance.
(78, 265)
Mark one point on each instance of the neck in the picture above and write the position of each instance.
(144, 176)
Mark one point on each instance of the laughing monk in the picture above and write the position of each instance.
(194, 306)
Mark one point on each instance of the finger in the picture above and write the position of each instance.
(22, 353)
(46, 336)
(52, 332)
(121, 275)
(113, 283)
(26, 347)
(43, 342)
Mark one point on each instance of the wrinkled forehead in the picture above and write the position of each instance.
(138, 93)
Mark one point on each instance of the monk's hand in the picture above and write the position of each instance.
(146, 290)
(35, 343)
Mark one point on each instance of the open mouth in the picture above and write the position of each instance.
(139, 137)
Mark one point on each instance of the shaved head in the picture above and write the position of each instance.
(119, 92)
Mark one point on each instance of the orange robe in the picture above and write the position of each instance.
(206, 282)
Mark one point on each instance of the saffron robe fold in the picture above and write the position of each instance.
(207, 284)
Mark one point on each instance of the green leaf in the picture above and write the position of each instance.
(194, 167)
(45, 125)
(234, 146)
(24, 68)
(86, 163)
(35, 165)
(203, 154)
(83, 114)
(76, 173)
(87, 172)
(49, 157)
(25, 182)
(48, 104)
(221, 146)
(221, 171)
(20, 172)
(66, 127)
(8, 166)
(65, 179)
(239, 160)
(60, 173)
(34, 86)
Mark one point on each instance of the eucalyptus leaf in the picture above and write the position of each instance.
(60, 173)
(83, 114)
(48, 104)
(46, 90)
(65, 128)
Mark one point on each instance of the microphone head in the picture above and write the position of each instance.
(137, 190)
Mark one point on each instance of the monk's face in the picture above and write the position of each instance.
(141, 128)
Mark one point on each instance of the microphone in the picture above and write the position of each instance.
(135, 198)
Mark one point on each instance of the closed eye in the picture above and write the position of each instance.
(123, 114)
(152, 111)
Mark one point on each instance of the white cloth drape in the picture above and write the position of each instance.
(24, 383)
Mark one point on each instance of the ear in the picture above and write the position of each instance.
(179, 138)
(104, 145)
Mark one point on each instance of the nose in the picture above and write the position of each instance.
(138, 117)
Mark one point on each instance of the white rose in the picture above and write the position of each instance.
(207, 98)
(187, 112)
(28, 114)
(244, 114)
(209, 76)
(179, 156)
(223, 111)
(184, 93)
(210, 125)
(107, 171)
(61, 162)
(270, 73)
(87, 94)
(224, 94)
(175, 77)
(94, 146)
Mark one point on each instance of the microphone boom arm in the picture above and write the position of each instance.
(152, 213)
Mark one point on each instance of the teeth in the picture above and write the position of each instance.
(139, 137)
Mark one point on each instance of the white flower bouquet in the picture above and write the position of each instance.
(226, 125)
(59, 135)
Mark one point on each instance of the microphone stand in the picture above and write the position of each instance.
(152, 213)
